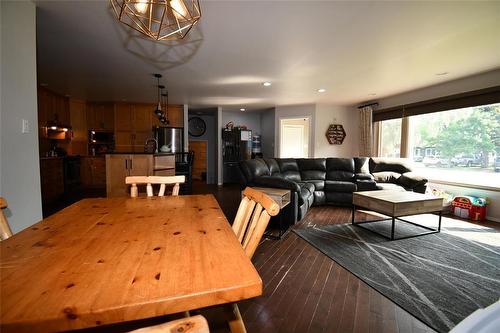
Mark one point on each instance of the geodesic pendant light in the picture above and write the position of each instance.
(158, 19)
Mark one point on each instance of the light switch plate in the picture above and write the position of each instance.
(25, 126)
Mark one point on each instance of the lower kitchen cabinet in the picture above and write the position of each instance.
(51, 179)
(119, 166)
(93, 171)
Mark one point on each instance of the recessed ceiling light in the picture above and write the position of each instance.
(321, 90)
(242, 109)
(441, 73)
(266, 84)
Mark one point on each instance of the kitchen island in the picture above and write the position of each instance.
(121, 165)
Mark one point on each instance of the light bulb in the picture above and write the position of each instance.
(179, 9)
(141, 6)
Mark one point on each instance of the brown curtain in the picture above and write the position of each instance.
(365, 131)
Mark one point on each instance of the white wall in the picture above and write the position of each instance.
(348, 117)
(471, 83)
(291, 111)
(20, 175)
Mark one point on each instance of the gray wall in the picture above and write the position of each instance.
(250, 119)
(267, 132)
(19, 161)
(210, 136)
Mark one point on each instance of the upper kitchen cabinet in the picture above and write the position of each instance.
(133, 125)
(175, 115)
(52, 107)
(101, 116)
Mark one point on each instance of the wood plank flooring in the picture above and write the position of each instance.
(305, 291)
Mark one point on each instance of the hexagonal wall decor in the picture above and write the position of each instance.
(335, 134)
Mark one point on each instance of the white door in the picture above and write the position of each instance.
(294, 137)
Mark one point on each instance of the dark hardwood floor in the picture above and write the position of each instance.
(304, 290)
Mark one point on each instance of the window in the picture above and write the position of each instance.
(457, 146)
(390, 138)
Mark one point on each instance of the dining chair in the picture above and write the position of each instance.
(250, 223)
(195, 324)
(5, 231)
(152, 180)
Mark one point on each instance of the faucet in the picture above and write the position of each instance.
(149, 140)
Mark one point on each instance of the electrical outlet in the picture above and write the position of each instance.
(25, 126)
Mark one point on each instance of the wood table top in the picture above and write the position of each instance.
(396, 197)
(103, 261)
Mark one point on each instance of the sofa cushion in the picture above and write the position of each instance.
(312, 168)
(386, 177)
(380, 164)
(272, 164)
(339, 169)
(308, 186)
(411, 180)
(254, 168)
(319, 185)
(319, 198)
(289, 169)
(339, 198)
(304, 196)
(363, 176)
(339, 186)
(389, 186)
(361, 165)
(366, 185)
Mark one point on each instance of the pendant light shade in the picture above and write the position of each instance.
(158, 19)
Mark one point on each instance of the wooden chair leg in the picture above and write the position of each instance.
(234, 319)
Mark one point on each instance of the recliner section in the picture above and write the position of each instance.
(329, 181)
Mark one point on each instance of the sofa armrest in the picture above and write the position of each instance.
(411, 180)
(276, 182)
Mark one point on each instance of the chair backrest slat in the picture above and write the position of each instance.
(5, 231)
(150, 180)
(252, 218)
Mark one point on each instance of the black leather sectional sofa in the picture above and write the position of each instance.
(329, 181)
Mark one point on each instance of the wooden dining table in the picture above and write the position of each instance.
(109, 260)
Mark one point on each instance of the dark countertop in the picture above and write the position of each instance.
(141, 153)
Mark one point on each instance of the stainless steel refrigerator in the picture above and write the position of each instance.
(170, 139)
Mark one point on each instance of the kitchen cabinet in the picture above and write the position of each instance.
(133, 126)
(51, 179)
(52, 107)
(175, 116)
(101, 115)
(164, 165)
(119, 166)
(93, 171)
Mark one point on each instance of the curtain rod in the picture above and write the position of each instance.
(375, 104)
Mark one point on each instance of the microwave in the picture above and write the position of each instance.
(101, 137)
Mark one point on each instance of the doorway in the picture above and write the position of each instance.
(294, 137)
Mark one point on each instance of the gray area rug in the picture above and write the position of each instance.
(439, 278)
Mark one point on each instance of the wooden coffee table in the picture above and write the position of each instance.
(396, 204)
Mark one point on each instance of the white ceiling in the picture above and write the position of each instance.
(352, 49)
